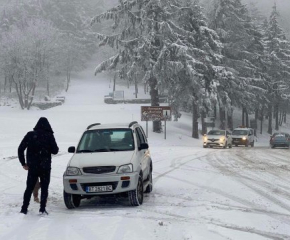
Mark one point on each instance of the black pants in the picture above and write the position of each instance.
(32, 177)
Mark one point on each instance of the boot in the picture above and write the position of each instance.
(24, 211)
(42, 210)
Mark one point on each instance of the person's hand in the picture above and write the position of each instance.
(25, 167)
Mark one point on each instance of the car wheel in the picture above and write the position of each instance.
(136, 196)
(230, 145)
(247, 144)
(236, 145)
(71, 200)
(204, 146)
(252, 144)
(272, 146)
(149, 188)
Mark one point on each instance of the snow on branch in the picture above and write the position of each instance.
(112, 13)
(109, 64)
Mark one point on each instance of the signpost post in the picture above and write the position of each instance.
(152, 113)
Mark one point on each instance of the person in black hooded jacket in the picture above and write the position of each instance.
(39, 145)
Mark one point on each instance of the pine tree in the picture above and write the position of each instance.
(278, 68)
(142, 30)
(242, 46)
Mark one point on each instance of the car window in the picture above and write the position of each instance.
(140, 136)
(240, 132)
(145, 137)
(216, 132)
(103, 140)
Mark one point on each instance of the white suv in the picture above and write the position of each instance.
(109, 160)
(243, 136)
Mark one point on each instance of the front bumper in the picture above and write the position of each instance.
(78, 184)
(239, 141)
(214, 143)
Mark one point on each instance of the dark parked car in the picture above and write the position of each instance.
(280, 140)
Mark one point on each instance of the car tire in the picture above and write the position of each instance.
(71, 200)
(272, 146)
(252, 144)
(236, 145)
(230, 145)
(149, 188)
(247, 144)
(136, 196)
(225, 146)
(204, 146)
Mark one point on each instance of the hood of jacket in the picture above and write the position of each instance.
(43, 125)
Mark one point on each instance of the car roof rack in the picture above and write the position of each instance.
(132, 123)
(92, 125)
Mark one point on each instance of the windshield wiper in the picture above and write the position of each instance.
(84, 151)
(102, 150)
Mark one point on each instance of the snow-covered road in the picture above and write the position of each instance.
(201, 194)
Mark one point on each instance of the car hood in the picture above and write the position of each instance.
(82, 160)
(214, 136)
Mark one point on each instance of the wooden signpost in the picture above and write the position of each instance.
(158, 113)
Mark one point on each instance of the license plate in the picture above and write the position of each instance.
(108, 188)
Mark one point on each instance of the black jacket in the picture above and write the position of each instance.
(40, 144)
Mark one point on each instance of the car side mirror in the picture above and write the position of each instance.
(143, 146)
(71, 149)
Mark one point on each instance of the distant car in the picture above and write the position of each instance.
(243, 136)
(280, 140)
(217, 138)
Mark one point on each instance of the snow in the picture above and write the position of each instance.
(201, 194)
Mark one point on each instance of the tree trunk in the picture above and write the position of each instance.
(256, 121)
(243, 116)
(247, 117)
(136, 89)
(285, 116)
(230, 120)
(67, 80)
(262, 119)
(280, 118)
(277, 117)
(32, 96)
(270, 119)
(114, 84)
(19, 94)
(203, 124)
(222, 118)
(194, 120)
(155, 102)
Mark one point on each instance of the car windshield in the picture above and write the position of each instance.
(106, 140)
(240, 132)
(216, 132)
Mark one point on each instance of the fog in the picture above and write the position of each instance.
(283, 6)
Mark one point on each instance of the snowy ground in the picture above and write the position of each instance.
(201, 194)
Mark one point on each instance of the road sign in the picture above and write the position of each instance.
(149, 113)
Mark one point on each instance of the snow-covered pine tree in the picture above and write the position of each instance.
(191, 59)
(278, 68)
(142, 29)
(242, 46)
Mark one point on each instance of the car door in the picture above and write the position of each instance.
(142, 154)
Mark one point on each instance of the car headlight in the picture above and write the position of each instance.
(128, 168)
(205, 139)
(244, 138)
(222, 139)
(73, 171)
